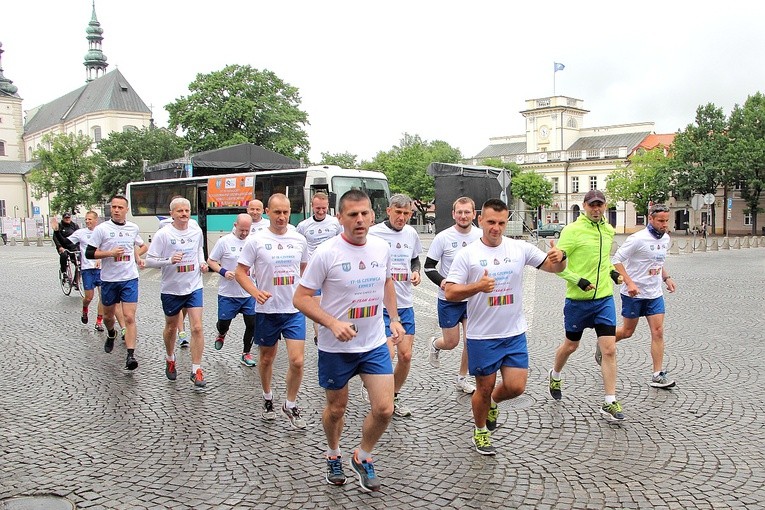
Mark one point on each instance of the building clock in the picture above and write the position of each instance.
(544, 132)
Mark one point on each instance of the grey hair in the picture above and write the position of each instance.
(179, 201)
(401, 200)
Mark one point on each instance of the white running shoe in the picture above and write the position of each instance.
(464, 385)
(433, 356)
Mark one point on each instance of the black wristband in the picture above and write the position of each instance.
(615, 276)
(667, 278)
(583, 283)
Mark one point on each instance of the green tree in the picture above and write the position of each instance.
(241, 104)
(699, 162)
(513, 168)
(343, 160)
(533, 189)
(123, 155)
(746, 151)
(65, 169)
(406, 166)
(645, 179)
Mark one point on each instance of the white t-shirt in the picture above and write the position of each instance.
(274, 261)
(643, 257)
(264, 223)
(445, 246)
(352, 282)
(106, 237)
(185, 277)
(404, 245)
(82, 237)
(226, 252)
(498, 314)
(316, 232)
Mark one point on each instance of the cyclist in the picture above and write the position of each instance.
(61, 231)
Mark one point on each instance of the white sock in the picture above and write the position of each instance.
(334, 453)
(289, 405)
(362, 455)
(170, 358)
(555, 375)
(194, 368)
(268, 396)
(610, 399)
(656, 374)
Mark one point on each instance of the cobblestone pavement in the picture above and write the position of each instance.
(75, 424)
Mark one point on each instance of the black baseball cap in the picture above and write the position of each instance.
(66, 215)
(594, 195)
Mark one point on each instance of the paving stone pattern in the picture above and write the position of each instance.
(73, 423)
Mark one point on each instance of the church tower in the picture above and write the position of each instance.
(95, 60)
(11, 119)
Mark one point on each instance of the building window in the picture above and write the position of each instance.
(571, 122)
(593, 182)
(639, 219)
(97, 133)
(747, 218)
(555, 218)
(575, 185)
(2, 208)
(555, 184)
(2, 148)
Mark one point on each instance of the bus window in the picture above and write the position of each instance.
(376, 189)
(143, 200)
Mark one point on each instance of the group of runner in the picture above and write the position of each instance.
(355, 281)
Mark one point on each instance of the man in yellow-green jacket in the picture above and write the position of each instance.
(589, 296)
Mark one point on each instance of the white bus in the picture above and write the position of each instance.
(217, 199)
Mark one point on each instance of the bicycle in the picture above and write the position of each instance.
(72, 278)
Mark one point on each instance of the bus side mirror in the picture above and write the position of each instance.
(333, 200)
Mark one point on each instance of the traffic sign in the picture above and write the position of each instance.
(504, 179)
(709, 199)
(730, 204)
(697, 201)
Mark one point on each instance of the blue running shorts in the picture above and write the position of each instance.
(633, 308)
(91, 278)
(172, 304)
(337, 368)
(407, 320)
(580, 315)
(450, 313)
(270, 327)
(119, 292)
(230, 307)
(486, 356)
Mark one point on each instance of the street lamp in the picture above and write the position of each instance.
(15, 209)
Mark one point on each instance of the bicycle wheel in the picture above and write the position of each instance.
(78, 281)
(66, 287)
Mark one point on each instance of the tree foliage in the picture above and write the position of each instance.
(343, 160)
(533, 189)
(513, 168)
(646, 179)
(123, 155)
(406, 166)
(746, 151)
(241, 104)
(66, 170)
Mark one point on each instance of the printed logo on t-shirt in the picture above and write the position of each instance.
(346, 266)
(501, 300)
(362, 312)
(284, 280)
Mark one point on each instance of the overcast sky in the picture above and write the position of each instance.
(446, 70)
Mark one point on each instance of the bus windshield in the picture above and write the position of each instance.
(377, 189)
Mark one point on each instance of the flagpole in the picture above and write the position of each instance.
(554, 73)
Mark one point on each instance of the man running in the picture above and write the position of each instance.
(442, 251)
(276, 256)
(232, 298)
(640, 261)
(178, 250)
(119, 246)
(489, 274)
(589, 297)
(255, 210)
(405, 250)
(317, 229)
(353, 271)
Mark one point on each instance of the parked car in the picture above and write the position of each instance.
(550, 230)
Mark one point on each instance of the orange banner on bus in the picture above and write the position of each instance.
(229, 191)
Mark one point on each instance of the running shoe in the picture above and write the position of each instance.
(170, 371)
(554, 387)
(335, 473)
(661, 381)
(84, 318)
(183, 339)
(109, 343)
(482, 442)
(433, 356)
(198, 378)
(598, 354)
(491, 418)
(130, 362)
(219, 342)
(366, 471)
(316, 341)
(248, 360)
(612, 412)
(293, 414)
(464, 385)
(124, 330)
(99, 327)
(268, 413)
(400, 409)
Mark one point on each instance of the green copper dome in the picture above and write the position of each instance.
(6, 85)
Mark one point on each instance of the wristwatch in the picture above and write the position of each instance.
(395, 319)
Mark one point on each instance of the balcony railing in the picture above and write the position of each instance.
(547, 157)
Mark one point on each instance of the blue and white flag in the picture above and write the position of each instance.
(559, 67)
